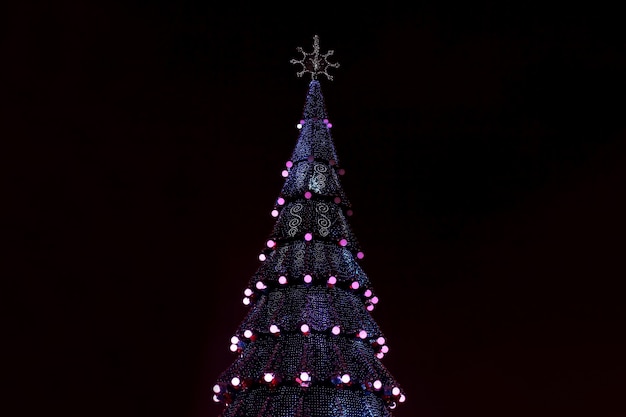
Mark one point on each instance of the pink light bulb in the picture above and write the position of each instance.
(369, 307)
(308, 195)
(354, 285)
(380, 340)
(336, 330)
(288, 164)
(216, 399)
(395, 391)
(247, 292)
(402, 398)
(362, 334)
(271, 243)
(305, 328)
(280, 201)
(380, 355)
(282, 280)
(304, 376)
(274, 213)
(384, 349)
(360, 255)
(262, 257)
(308, 278)
(368, 293)
(285, 173)
(374, 300)
(246, 301)
(308, 236)
(329, 125)
(337, 200)
(274, 329)
(332, 280)
(343, 242)
(341, 171)
(260, 285)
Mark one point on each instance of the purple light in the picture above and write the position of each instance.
(280, 201)
(308, 236)
(301, 122)
(274, 213)
(360, 255)
(325, 120)
(308, 195)
(343, 242)
(288, 164)
(282, 280)
(308, 278)
(285, 173)
(270, 243)
(329, 125)
(336, 330)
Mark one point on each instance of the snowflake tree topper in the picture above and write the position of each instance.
(314, 62)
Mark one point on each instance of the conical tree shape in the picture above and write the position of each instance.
(308, 346)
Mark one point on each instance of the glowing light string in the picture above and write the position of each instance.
(314, 62)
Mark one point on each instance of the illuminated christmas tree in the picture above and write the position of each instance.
(308, 346)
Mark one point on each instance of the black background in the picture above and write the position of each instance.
(484, 148)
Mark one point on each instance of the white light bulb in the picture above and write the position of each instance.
(378, 384)
(216, 388)
(336, 330)
(235, 381)
(234, 340)
(274, 329)
(305, 328)
(380, 340)
(268, 377)
(345, 378)
(248, 334)
(304, 376)
(395, 391)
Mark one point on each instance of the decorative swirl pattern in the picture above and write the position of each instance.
(322, 220)
(296, 220)
(318, 180)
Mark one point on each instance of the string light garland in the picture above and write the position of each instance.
(308, 345)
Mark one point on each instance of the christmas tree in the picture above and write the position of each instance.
(308, 346)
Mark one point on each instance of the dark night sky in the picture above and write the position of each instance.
(485, 156)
